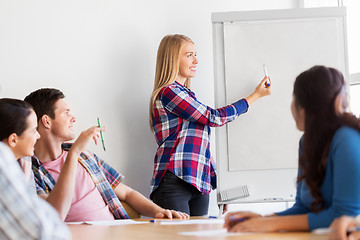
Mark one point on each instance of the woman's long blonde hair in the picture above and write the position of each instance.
(167, 66)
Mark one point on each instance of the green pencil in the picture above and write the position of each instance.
(102, 138)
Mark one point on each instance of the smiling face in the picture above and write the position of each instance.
(62, 126)
(187, 62)
(26, 141)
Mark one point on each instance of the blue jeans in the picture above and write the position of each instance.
(176, 194)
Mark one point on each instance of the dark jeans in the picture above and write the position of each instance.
(176, 194)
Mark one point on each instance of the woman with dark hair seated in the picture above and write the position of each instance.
(18, 123)
(328, 183)
(23, 214)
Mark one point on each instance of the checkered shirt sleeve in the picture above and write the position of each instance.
(23, 214)
(182, 130)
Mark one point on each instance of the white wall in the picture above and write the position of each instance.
(101, 54)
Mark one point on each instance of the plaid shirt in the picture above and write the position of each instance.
(23, 214)
(105, 178)
(182, 131)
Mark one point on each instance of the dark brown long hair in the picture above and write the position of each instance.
(316, 91)
(13, 116)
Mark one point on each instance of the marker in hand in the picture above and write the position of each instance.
(266, 75)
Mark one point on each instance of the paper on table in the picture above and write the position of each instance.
(191, 221)
(74, 223)
(109, 222)
(212, 233)
(320, 231)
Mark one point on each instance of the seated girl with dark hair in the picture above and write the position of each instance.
(328, 183)
(23, 214)
(18, 123)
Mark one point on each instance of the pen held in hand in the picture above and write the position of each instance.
(236, 219)
(266, 75)
(101, 135)
(352, 229)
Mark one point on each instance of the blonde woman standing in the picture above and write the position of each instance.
(184, 170)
